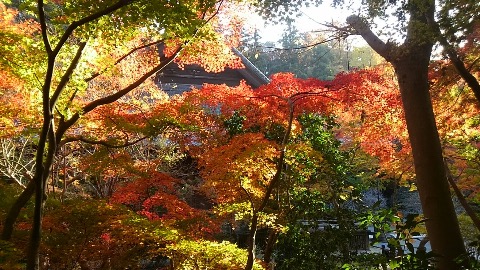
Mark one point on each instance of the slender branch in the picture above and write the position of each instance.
(113, 97)
(98, 142)
(74, 25)
(250, 199)
(308, 46)
(66, 76)
(281, 159)
(471, 213)
(220, 4)
(72, 97)
(456, 61)
(473, 64)
(93, 76)
(43, 26)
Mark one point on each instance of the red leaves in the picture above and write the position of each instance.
(367, 102)
(155, 198)
(371, 115)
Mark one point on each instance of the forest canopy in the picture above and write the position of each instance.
(100, 168)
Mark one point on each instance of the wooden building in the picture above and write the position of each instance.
(174, 80)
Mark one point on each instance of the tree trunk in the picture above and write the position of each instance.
(41, 174)
(14, 211)
(276, 178)
(441, 220)
(272, 238)
(411, 61)
(251, 242)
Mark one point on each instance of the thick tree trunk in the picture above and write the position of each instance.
(442, 225)
(411, 61)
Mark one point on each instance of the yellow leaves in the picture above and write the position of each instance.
(303, 159)
(202, 254)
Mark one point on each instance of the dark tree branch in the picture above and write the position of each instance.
(66, 76)
(99, 142)
(473, 64)
(456, 61)
(74, 25)
(43, 26)
(114, 97)
(382, 48)
(471, 213)
(14, 211)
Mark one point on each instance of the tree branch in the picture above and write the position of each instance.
(66, 76)
(90, 18)
(114, 97)
(382, 48)
(43, 26)
(123, 57)
(471, 213)
(456, 61)
(104, 143)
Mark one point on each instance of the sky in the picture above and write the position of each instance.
(310, 19)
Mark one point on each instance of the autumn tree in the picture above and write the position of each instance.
(72, 47)
(456, 30)
(252, 145)
(456, 109)
(411, 61)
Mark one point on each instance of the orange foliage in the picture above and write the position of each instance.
(245, 165)
(9, 25)
(213, 55)
(457, 112)
(16, 108)
(372, 112)
(367, 102)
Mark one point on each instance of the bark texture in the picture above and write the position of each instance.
(442, 225)
(411, 61)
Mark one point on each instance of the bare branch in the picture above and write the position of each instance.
(14, 162)
(98, 142)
